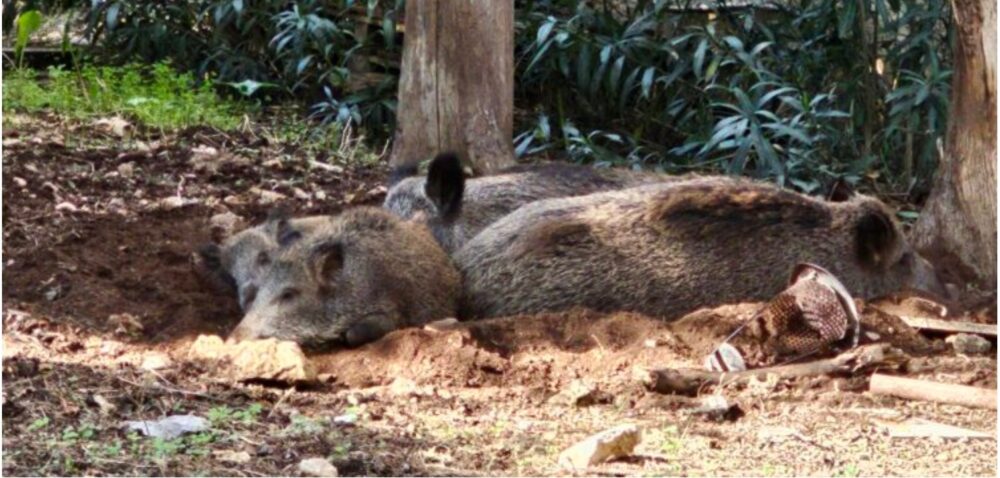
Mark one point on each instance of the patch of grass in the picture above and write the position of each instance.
(849, 470)
(156, 96)
(38, 424)
(223, 415)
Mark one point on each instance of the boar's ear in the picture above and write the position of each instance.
(840, 191)
(400, 173)
(280, 226)
(445, 185)
(327, 261)
(209, 265)
(876, 239)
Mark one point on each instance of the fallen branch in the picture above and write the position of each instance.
(913, 389)
(951, 326)
(690, 381)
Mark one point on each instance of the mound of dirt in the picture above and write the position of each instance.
(548, 350)
(108, 227)
(544, 350)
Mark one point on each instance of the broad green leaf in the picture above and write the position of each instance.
(699, 57)
(647, 81)
(544, 30)
(27, 23)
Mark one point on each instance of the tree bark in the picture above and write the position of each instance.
(456, 90)
(959, 222)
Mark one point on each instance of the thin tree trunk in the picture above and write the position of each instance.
(959, 222)
(456, 91)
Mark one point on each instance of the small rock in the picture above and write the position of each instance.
(53, 293)
(268, 359)
(267, 197)
(320, 195)
(716, 407)
(230, 456)
(104, 404)
(156, 361)
(170, 427)
(613, 443)
(20, 182)
(345, 419)
(173, 202)
(402, 386)
(203, 152)
(125, 324)
(317, 467)
(66, 206)
(126, 170)
(442, 325)
(300, 194)
(117, 125)
(969, 344)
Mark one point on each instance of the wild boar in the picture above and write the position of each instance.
(356, 277)
(455, 219)
(236, 265)
(667, 249)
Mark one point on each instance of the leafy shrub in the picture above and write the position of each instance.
(304, 49)
(804, 92)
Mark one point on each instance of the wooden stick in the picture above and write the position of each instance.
(690, 381)
(953, 326)
(913, 389)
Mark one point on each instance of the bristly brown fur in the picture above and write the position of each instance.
(736, 201)
(550, 237)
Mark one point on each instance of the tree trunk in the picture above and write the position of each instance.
(959, 222)
(456, 91)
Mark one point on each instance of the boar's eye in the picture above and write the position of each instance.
(288, 294)
(263, 259)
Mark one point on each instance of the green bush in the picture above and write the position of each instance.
(790, 93)
(804, 92)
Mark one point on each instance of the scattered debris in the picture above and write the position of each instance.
(716, 407)
(317, 467)
(725, 358)
(126, 170)
(581, 393)
(230, 456)
(346, 419)
(155, 361)
(443, 325)
(169, 427)
(921, 428)
(66, 206)
(933, 391)
(333, 168)
(53, 293)
(951, 326)
(125, 324)
(107, 408)
(691, 381)
(969, 344)
(116, 125)
(267, 197)
(172, 202)
(613, 443)
(268, 359)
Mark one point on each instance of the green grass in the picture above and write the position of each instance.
(156, 96)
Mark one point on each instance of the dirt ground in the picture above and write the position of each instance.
(98, 233)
